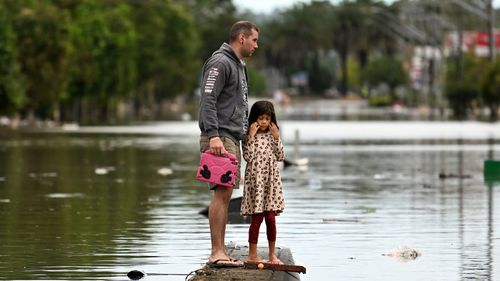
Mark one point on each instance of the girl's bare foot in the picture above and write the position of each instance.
(274, 260)
(255, 258)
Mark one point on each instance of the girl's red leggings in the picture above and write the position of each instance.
(253, 232)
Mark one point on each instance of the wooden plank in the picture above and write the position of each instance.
(245, 274)
(275, 267)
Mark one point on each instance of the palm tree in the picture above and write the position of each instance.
(357, 32)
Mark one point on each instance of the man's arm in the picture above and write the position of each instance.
(211, 87)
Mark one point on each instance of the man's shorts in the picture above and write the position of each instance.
(230, 147)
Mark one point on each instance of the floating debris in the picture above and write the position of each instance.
(70, 127)
(43, 175)
(4, 200)
(302, 164)
(103, 170)
(367, 210)
(451, 176)
(302, 161)
(403, 253)
(4, 121)
(332, 220)
(165, 171)
(65, 195)
(136, 274)
(380, 176)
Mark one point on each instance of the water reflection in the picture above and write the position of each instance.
(59, 219)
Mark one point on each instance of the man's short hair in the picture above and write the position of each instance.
(244, 27)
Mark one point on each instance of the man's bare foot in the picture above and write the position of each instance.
(224, 259)
(236, 261)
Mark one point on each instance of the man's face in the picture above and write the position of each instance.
(250, 43)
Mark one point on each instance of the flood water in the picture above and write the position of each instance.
(91, 204)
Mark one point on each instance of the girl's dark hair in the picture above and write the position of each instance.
(259, 108)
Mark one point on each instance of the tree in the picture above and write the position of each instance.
(347, 25)
(212, 19)
(12, 90)
(44, 52)
(297, 39)
(168, 57)
(321, 74)
(490, 89)
(386, 70)
(356, 32)
(462, 87)
(104, 69)
(256, 81)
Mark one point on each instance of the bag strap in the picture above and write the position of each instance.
(226, 154)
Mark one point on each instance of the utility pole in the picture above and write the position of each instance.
(485, 11)
(460, 54)
(491, 29)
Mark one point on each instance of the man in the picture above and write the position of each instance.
(223, 122)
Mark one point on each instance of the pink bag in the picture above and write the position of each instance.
(219, 170)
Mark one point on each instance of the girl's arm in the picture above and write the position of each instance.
(278, 145)
(248, 147)
(248, 144)
(279, 151)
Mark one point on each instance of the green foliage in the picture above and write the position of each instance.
(294, 28)
(319, 26)
(356, 32)
(180, 51)
(354, 73)
(44, 52)
(213, 20)
(65, 55)
(167, 49)
(104, 41)
(68, 55)
(460, 96)
(490, 88)
(104, 68)
(257, 83)
(12, 91)
(380, 100)
(320, 69)
(462, 85)
(320, 76)
(385, 70)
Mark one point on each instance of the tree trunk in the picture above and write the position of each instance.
(493, 113)
(345, 75)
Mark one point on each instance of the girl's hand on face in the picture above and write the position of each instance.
(253, 129)
(275, 132)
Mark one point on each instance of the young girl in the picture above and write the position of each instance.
(262, 194)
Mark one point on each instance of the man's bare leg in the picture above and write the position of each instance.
(217, 217)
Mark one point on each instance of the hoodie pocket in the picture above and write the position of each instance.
(237, 116)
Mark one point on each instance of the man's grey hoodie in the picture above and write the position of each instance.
(224, 96)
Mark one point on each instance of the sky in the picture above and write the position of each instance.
(267, 6)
